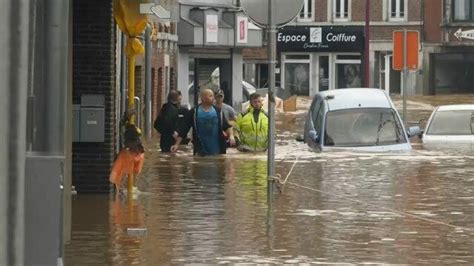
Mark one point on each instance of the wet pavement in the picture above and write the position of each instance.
(339, 207)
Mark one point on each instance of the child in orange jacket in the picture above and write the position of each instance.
(130, 159)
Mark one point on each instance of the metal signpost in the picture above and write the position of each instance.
(271, 14)
(405, 58)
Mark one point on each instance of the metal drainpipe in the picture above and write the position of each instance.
(123, 81)
(14, 62)
(56, 55)
(148, 100)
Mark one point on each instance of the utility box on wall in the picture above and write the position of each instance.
(89, 119)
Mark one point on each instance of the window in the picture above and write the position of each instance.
(306, 13)
(363, 127)
(459, 122)
(341, 9)
(463, 10)
(397, 9)
(316, 115)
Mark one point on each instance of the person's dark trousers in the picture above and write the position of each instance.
(166, 141)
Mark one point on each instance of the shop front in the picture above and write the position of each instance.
(323, 58)
(211, 37)
(452, 65)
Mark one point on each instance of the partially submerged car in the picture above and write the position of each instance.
(450, 124)
(356, 119)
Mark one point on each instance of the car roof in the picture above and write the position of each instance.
(356, 98)
(456, 107)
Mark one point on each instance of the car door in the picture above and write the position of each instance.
(313, 123)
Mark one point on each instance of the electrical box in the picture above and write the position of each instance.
(92, 118)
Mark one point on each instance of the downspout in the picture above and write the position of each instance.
(148, 100)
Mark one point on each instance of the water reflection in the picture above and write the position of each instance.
(401, 208)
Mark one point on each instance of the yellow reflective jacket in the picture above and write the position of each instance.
(253, 135)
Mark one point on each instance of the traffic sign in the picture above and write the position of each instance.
(405, 49)
(285, 11)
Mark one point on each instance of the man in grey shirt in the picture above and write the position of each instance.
(227, 110)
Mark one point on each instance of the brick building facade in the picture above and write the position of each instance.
(445, 57)
(94, 72)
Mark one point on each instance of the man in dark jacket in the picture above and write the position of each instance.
(168, 120)
(209, 126)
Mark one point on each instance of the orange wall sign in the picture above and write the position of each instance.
(412, 46)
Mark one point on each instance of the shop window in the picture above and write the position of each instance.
(463, 10)
(348, 57)
(297, 56)
(306, 13)
(397, 9)
(297, 78)
(348, 76)
(341, 9)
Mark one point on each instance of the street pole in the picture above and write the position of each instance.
(148, 54)
(271, 99)
(367, 45)
(405, 74)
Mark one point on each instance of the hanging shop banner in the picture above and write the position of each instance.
(212, 28)
(320, 39)
(242, 29)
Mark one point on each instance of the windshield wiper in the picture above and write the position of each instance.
(382, 123)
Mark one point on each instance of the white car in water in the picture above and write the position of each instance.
(356, 119)
(450, 124)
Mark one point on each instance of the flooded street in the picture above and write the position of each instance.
(338, 207)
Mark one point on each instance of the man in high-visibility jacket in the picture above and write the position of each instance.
(252, 126)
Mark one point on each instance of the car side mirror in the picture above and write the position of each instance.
(414, 131)
(313, 135)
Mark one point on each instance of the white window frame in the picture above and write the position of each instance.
(308, 12)
(334, 11)
(397, 11)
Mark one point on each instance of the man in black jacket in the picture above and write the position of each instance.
(210, 128)
(168, 120)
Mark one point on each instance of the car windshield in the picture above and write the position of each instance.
(363, 127)
(456, 122)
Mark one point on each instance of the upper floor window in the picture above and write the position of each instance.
(341, 9)
(463, 10)
(397, 9)
(306, 13)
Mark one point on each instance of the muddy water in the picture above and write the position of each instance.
(342, 207)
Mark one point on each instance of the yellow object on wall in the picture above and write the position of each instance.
(132, 23)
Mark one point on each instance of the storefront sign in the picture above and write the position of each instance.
(320, 39)
(467, 34)
(242, 29)
(212, 28)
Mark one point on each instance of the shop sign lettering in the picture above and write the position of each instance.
(322, 39)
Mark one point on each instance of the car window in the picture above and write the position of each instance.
(363, 127)
(456, 122)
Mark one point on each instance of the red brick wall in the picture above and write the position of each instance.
(433, 13)
(321, 10)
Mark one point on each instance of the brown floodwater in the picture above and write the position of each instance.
(340, 207)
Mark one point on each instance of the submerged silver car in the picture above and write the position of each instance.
(450, 124)
(356, 119)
